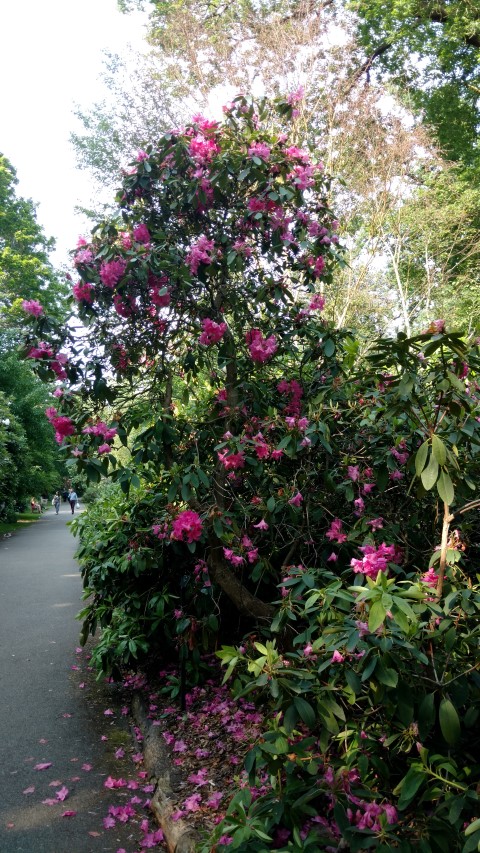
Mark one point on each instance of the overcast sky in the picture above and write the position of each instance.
(50, 59)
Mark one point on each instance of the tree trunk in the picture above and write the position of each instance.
(243, 600)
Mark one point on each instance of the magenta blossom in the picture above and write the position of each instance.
(187, 527)
(200, 252)
(83, 291)
(33, 307)
(430, 578)
(112, 271)
(141, 234)
(231, 461)
(43, 350)
(375, 559)
(261, 349)
(260, 150)
(212, 332)
(335, 532)
(296, 500)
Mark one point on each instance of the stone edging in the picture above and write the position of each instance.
(179, 837)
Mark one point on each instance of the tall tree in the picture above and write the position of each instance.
(432, 49)
(26, 272)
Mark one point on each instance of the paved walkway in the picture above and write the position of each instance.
(47, 712)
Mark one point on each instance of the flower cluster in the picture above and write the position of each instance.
(261, 349)
(376, 559)
(187, 527)
(33, 307)
(212, 332)
(62, 425)
(201, 252)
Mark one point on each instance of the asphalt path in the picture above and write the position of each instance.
(48, 713)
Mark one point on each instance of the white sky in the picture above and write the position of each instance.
(50, 59)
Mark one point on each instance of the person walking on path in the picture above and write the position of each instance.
(56, 502)
(72, 499)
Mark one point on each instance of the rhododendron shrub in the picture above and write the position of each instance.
(249, 441)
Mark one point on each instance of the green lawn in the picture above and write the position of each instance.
(23, 518)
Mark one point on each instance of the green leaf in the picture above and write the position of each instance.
(271, 504)
(306, 712)
(376, 617)
(386, 676)
(430, 473)
(439, 450)
(445, 488)
(426, 715)
(409, 786)
(329, 347)
(449, 722)
(421, 458)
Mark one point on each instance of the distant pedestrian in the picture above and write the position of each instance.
(56, 503)
(72, 499)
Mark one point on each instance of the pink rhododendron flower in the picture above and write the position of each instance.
(200, 252)
(375, 559)
(261, 349)
(231, 461)
(400, 453)
(359, 504)
(260, 150)
(262, 525)
(296, 500)
(212, 332)
(430, 578)
(317, 303)
(84, 256)
(62, 425)
(112, 271)
(304, 177)
(337, 657)
(353, 472)
(335, 532)
(203, 148)
(296, 96)
(241, 247)
(187, 527)
(104, 448)
(375, 524)
(83, 291)
(396, 475)
(42, 350)
(141, 234)
(33, 307)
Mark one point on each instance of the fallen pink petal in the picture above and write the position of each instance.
(69, 813)
(43, 766)
(62, 794)
(29, 790)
